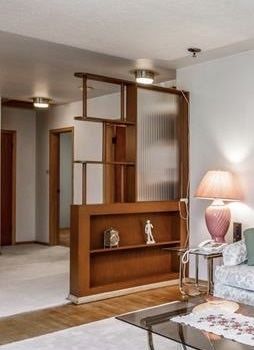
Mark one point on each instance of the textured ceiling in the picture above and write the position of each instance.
(134, 29)
(31, 67)
(111, 37)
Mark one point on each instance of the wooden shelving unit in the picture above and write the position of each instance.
(137, 246)
(119, 142)
(105, 120)
(103, 163)
(133, 263)
(97, 272)
(120, 139)
(157, 278)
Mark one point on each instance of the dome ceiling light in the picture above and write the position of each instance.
(144, 76)
(41, 102)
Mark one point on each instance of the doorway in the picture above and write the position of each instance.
(8, 187)
(60, 184)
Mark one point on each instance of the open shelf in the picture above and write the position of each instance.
(122, 122)
(119, 136)
(137, 246)
(134, 263)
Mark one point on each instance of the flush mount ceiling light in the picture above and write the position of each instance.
(194, 51)
(144, 76)
(41, 102)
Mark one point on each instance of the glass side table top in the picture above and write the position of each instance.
(156, 320)
(197, 251)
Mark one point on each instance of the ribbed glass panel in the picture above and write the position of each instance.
(157, 146)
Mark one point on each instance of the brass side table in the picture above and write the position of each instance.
(209, 257)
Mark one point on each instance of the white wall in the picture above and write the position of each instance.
(23, 121)
(87, 146)
(105, 106)
(221, 131)
(65, 179)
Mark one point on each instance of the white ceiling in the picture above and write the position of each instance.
(31, 67)
(122, 33)
(154, 29)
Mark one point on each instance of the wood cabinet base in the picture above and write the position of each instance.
(98, 273)
(117, 293)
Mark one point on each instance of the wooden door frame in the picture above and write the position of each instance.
(54, 180)
(14, 157)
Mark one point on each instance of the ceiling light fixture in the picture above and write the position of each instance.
(194, 51)
(144, 76)
(41, 102)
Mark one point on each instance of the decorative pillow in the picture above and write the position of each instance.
(249, 240)
(235, 253)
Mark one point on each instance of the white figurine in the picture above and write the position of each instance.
(148, 232)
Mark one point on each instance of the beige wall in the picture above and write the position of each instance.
(221, 132)
(23, 121)
(65, 179)
(87, 146)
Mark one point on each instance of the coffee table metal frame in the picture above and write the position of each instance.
(157, 320)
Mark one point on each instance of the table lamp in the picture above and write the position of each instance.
(218, 186)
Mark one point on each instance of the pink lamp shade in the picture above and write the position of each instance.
(218, 186)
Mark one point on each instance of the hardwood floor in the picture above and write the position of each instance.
(64, 237)
(45, 321)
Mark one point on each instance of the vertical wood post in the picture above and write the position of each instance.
(84, 96)
(84, 183)
(122, 102)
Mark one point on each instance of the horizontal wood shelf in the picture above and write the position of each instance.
(111, 80)
(126, 208)
(137, 246)
(102, 78)
(103, 163)
(105, 120)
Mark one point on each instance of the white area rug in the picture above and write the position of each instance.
(32, 277)
(108, 334)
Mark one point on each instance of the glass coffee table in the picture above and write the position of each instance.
(156, 320)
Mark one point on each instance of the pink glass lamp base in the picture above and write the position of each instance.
(217, 217)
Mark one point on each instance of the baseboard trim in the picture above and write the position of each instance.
(24, 242)
(31, 242)
(116, 293)
(43, 243)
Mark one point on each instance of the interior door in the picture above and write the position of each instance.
(54, 185)
(7, 188)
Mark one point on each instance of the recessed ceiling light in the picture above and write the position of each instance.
(144, 76)
(41, 102)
